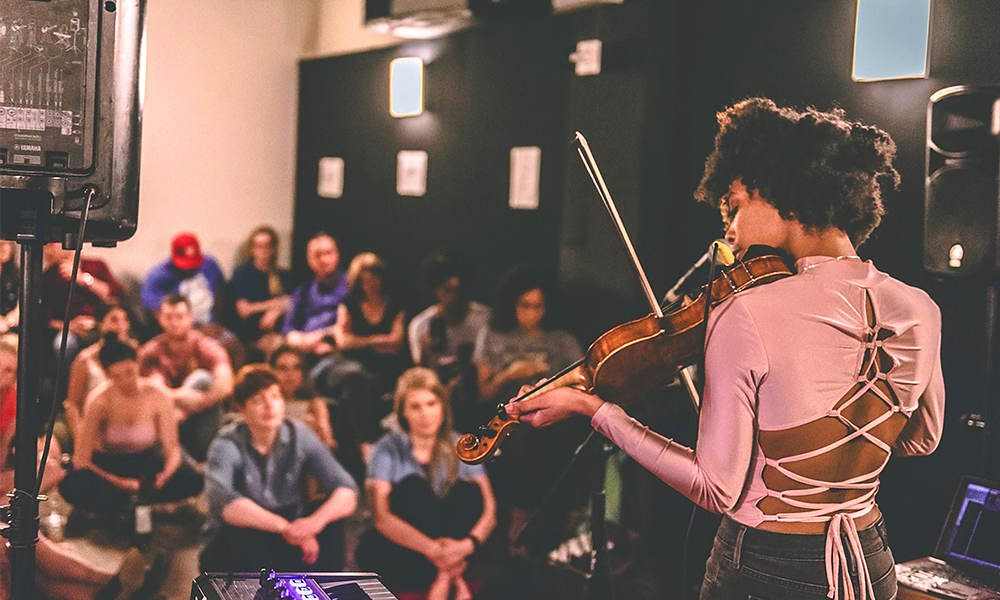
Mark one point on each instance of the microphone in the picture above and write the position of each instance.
(723, 255)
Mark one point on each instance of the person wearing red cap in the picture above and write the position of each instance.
(189, 273)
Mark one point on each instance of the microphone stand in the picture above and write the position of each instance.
(600, 585)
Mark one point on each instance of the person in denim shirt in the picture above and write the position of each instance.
(254, 477)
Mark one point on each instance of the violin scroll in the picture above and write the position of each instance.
(476, 448)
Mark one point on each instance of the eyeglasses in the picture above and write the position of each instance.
(531, 305)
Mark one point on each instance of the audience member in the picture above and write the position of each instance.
(301, 402)
(191, 274)
(86, 373)
(96, 286)
(63, 575)
(443, 336)
(128, 441)
(370, 323)
(260, 292)
(313, 307)
(256, 469)
(368, 335)
(431, 511)
(520, 348)
(196, 370)
(10, 284)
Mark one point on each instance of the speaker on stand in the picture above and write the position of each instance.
(70, 123)
(961, 242)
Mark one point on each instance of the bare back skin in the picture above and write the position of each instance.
(853, 459)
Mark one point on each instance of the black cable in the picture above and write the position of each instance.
(90, 193)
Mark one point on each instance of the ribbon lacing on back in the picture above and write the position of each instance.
(841, 515)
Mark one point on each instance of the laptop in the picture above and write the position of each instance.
(966, 561)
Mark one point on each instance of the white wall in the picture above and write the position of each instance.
(219, 120)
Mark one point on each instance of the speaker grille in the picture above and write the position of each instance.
(961, 193)
(961, 209)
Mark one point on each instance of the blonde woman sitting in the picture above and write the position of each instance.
(431, 511)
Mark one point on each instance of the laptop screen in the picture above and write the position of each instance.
(973, 527)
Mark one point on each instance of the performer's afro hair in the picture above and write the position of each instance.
(817, 167)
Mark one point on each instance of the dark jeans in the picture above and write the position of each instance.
(86, 489)
(240, 549)
(413, 501)
(748, 563)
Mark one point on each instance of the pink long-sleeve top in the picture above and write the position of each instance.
(793, 352)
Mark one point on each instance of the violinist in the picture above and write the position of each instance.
(810, 381)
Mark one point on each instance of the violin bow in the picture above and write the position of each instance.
(583, 149)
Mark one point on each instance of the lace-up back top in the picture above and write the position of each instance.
(812, 382)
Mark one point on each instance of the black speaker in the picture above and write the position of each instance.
(377, 9)
(71, 116)
(961, 191)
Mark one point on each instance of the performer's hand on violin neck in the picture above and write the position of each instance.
(553, 406)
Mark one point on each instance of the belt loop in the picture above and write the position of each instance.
(882, 533)
(739, 546)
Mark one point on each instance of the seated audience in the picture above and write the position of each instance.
(432, 512)
(128, 441)
(63, 575)
(96, 286)
(191, 274)
(313, 307)
(369, 339)
(301, 402)
(260, 292)
(86, 374)
(520, 345)
(443, 336)
(198, 278)
(10, 285)
(370, 322)
(256, 471)
(195, 369)
(520, 348)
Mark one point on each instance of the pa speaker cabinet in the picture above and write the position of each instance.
(961, 192)
(71, 114)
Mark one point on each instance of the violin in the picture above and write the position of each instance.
(637, 357)
(640, 356)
